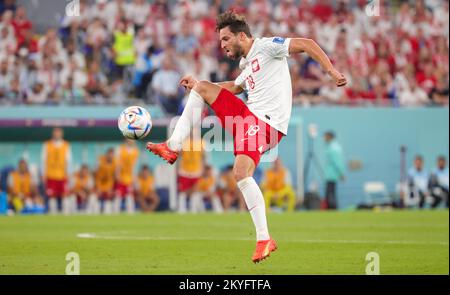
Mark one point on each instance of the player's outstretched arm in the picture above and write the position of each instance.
(299, 45)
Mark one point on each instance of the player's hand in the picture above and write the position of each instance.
(338, 78)
(188, 82)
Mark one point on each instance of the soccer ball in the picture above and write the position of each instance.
(135, 122)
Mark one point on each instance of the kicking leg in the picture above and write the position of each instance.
(203, 92)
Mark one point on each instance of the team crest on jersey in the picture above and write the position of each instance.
(255, 65)
(278, 40)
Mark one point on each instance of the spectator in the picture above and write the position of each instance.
(144, 71)
(277, 187)
(96, 39)
(238, 6)
(29, 44)
(231, 195)
(285, 10)
(127, 155)
(438, 184)
(146, 195)
(186, 44)
(56, 167)
(205, 189)
(165, 84)
(105, 176)
(6, 5)
(82, 195)
(322, 10)
(414, 96)
(334, 168)
(37, 94)
(99, 11)
(22, 190)
(5, 78)
(21, 24)
(159, 27)
(73, 95)
(138, 11)
(142, 43)
(97, 82)
(7, 34)
(123, 49)
(116, 12)
(190, 169)
(418, 178)
(439, 94)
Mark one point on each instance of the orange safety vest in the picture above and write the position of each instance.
(191, 162)
(21, 183)
(205, 183)
(145, 184)
(104, 178)
(126, 163)
(275, 180)
(56, 160)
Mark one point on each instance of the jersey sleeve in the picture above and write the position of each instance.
(240, 81)
(276, 47)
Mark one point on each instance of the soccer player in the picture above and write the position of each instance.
(22, 190)
(277, 187)
(206, 189)
(127, 156)
(82, 189)
(229, 190)
(146, 195)
(56, 163)
(105, 178)
(438, 183)
(256, 126)
(190, 169)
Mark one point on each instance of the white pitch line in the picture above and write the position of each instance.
(135, 238)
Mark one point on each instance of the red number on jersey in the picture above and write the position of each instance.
(251, 82)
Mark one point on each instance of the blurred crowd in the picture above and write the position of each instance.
(118, 50)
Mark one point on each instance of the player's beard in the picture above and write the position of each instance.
(238, 51)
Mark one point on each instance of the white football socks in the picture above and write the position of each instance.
(191, 116)
(182, 202)
(216, 204)
(256, 206)
(108, 207)
(130, 204)
(197, 205)
(53, 206)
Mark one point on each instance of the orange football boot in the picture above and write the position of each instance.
(263, 249)
(163, 151)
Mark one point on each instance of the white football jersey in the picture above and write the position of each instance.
(266, 78)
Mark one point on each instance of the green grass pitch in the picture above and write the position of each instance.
(408, 242)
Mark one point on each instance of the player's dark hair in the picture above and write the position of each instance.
(330, 134)
(442, 158)
(235, 22)
(419, 157)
